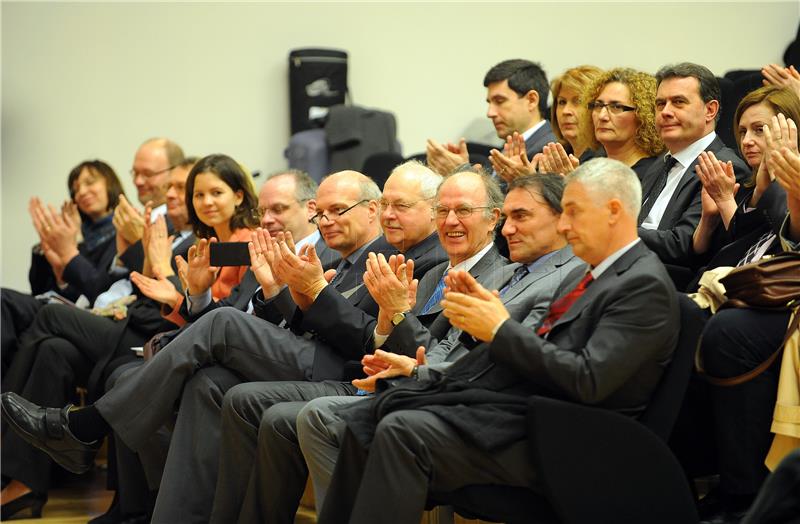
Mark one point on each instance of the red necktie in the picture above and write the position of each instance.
(560, 306)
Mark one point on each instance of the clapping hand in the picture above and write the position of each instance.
(476, 310)
(444, 159)
(513, 161)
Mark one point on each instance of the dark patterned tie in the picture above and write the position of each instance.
(655, 190)
(436, 297)
(560, 306)
(341, 270)
(520, 273)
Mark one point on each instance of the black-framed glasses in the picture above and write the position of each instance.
(334, 213)
(400, 207)
(615, 108)
(149, 174)
(442, 212)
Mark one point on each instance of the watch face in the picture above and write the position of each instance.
(397, 318)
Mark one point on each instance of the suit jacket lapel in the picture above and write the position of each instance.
(607, 280)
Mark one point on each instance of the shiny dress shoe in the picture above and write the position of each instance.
(46, 429)
(34, 501)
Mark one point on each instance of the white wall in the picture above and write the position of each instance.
(93, 80)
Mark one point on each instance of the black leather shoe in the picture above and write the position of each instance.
(46, 429)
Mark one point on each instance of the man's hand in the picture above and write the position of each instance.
(199, 273)
(513, 161)
(479, 311)
(158, 288)
(302, 272)
(157, 248)
(128, 221)
(258, 246)
(391, 283)
(443, 159)
(383, 364)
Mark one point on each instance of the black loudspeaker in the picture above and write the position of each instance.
(317, 81)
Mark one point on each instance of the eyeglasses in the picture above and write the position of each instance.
(334, 213)
(149, 174)
(277, 209)
(442, 212)
(615, 108)
(400, 207)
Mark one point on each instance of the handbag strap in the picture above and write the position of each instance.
(756, 371)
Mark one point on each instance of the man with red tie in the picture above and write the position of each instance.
(604, 342)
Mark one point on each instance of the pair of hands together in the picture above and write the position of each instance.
(469, 307)
(59, 232)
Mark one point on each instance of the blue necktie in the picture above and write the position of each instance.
(436, 297)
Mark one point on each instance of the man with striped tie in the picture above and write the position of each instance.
(605, 342)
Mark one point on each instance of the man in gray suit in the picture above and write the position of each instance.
(532, 207)
(516, 94)
(604, 342)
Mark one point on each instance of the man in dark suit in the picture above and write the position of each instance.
(468, 242)
(604, 342)
(687, 108)
(517, 99)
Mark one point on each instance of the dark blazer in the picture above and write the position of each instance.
(348, 327)
(86, 274)
(609, 349)
(672, 240)
(536, 142)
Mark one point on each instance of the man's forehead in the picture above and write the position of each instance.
(150, 153)
(522, 198)
(179, 175)
(678, 86)
(337, 192)
(277, 189)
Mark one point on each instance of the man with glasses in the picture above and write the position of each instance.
(287, 202)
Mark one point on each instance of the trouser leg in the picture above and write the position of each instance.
(736, 341)
(194, 450)
(243, 343)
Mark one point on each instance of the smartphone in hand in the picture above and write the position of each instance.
(229, 254)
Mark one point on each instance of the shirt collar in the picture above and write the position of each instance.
(687, 155)
(467, 264)
(310, 239)
(610, 259)
(529, 133)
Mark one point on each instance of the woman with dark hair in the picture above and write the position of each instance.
(622, 105)
(74, 347)
(75, 251)
(223, 207)
(63, 263)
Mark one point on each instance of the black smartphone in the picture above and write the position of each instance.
(229, 254)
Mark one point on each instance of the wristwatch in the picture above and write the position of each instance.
(399, 317)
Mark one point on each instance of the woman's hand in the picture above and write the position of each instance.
(719, 183)
(200, 275)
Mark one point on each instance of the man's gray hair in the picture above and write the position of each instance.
(428, 180)
(305, 188)
(605, 178)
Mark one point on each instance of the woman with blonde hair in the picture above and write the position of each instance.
(622, 105)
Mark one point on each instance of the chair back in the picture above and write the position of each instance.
(378, 166)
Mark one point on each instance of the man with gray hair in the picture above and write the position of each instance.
(605, 341)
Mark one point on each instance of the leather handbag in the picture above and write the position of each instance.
(772, 283)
